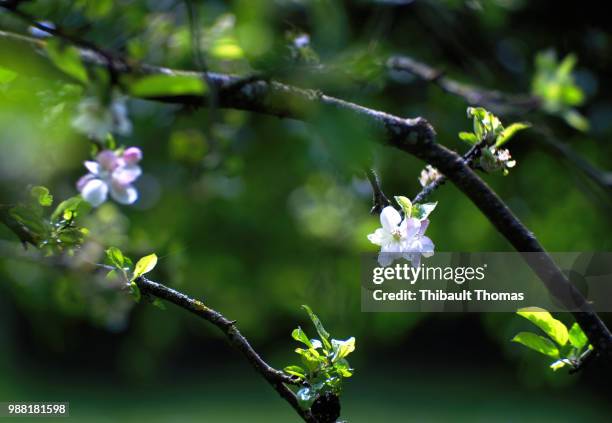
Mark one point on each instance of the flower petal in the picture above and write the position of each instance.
(108, 160)
(125, 175)
(93, 167)
(392, 247)
(132, 155)
(423, 228)
(390, 218)
(427, 246)
(377, 237)
(385, 259)
(410, 227)
(95, 192)
(124, 194)
(83, 181)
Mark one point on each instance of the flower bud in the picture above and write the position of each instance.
(132, 155)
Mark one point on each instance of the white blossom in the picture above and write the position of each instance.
(97, 120)
(428, 175)
(401, 238)
(493, 160)
(111, 173)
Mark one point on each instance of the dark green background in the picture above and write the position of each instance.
(258, 215)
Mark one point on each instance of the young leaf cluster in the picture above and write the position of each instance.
(54, 232)
(566, 347)
(554, 83)
(489, 129)
(416, 210)
(324, 364)
(124, 266)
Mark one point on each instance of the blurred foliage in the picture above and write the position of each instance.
(258, 215)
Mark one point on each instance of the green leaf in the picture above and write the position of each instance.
(405, 204)
(577, 337)
(168, 85)
(573, 118)
(299, 335)
(144, 265)
(509, 132)
(295, 371)
(544, 320)
(31, 218)
(342, 348)
(343, 368)
(67, 59)
(115, 257)
(41, 194)
(323, 334)
(468, 137)
(537, 343)
(71, 208)
(311, 358)
(422, 211)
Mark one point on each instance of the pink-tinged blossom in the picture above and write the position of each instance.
(111, 174)
(399, 238)
(428, 175)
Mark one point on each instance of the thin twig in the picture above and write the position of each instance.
(498, 102)
(379, 199)
(469, 157)
(276, 378)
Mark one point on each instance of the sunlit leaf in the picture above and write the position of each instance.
(115, 257)
(299, 335)
(42, 196)
(422, 211)
(468, 137)
(544, 320)
(295, 371)
(577, 337)
(405, 204)
(343, 368)
(144, 265)
(537, 343)
(509, 132)
(71, 208)
(342, 348)
(323, 334)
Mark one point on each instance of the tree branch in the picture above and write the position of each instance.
(496, 101)
(379, 199)
(276, 378)
(414, 136)
(502, 104)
